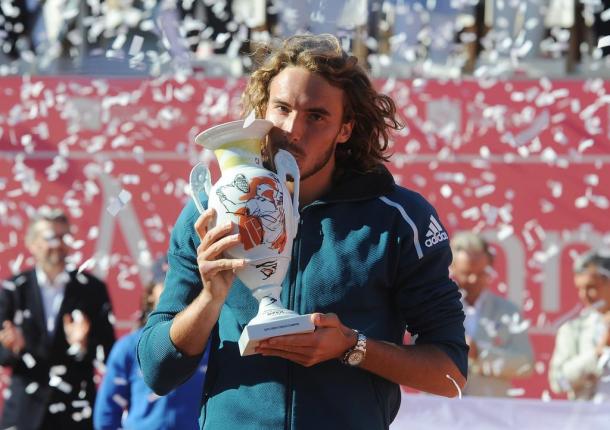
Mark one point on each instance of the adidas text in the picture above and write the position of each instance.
(439, 237)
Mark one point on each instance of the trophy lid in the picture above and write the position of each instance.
(233, 131)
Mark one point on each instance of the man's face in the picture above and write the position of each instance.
(309, 112)
(593, 287)
(471, 271)
(47, 245)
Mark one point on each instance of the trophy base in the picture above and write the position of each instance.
(256, 331)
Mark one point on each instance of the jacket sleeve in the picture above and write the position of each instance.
(114, 393)
(512, 359)
(164, 367)
(427, 298)
(430, 302)
(569, 369)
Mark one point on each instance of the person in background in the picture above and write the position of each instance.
(579, 364)
(125, 401)
(55, 324)
(500, 349)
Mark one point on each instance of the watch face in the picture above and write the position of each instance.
(355, 358)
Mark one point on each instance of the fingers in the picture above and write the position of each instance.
(201, 225)
(215, 248)
(305, 340)
(210, 268)
(325, 320)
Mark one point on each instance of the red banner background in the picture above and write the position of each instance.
(524, 162)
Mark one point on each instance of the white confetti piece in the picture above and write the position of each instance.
(80, 403)
(446, 191)
(581, 202)
(116, 204)
(60, 384)
(603, 42)
(585, 144)
(591, 179)
(58, 370)
(136, 45)
(120, 381)
(485, 190)
(120, 400)
(505, 232)
(29, 360)
(57, 407)
(515, 392)
(31, 388)
(88, 264)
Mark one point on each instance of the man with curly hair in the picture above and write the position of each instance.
(369, 260)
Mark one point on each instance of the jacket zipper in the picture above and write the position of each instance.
(291, 299)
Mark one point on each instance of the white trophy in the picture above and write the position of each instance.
(258, 202)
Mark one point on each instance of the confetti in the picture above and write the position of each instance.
(116, 204)
(29, 360)
(603, 42)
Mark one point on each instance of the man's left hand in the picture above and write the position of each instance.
(329, 340)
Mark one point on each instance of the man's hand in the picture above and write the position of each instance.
(190, 329)
(329, 340)
(11, 337)
(217, 273)
(77, 327)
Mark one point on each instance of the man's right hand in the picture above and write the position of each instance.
(217, 273)
(11, 337)
(191, 328)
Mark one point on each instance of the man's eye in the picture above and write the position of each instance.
(315, 117)
(282, 108)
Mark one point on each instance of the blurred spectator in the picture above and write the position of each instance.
(125, 401)
(55, 323)
(500, 349)
(579, 365)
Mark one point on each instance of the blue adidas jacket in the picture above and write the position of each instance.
(370, 251)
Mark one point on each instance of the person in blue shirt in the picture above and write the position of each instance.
(125, 401)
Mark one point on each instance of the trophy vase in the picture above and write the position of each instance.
(258, 202)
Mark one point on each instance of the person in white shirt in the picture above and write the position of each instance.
(500, 349)
(55, 323)
(579, 365)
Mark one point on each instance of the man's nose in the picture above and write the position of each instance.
(293, 126)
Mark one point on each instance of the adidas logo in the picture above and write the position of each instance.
(435, 233)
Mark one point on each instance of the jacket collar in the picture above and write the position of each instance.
(352, 185)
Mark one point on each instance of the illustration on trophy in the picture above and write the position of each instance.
(260, 211)
(258, 202)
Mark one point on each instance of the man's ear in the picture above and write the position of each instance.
(345, 132)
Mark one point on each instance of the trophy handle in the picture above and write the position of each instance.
(200, 181)
(287, 165)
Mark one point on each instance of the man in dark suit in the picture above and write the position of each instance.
(55, 326)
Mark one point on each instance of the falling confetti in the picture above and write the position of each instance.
(116, 204)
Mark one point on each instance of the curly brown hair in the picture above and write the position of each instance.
(374, 114)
